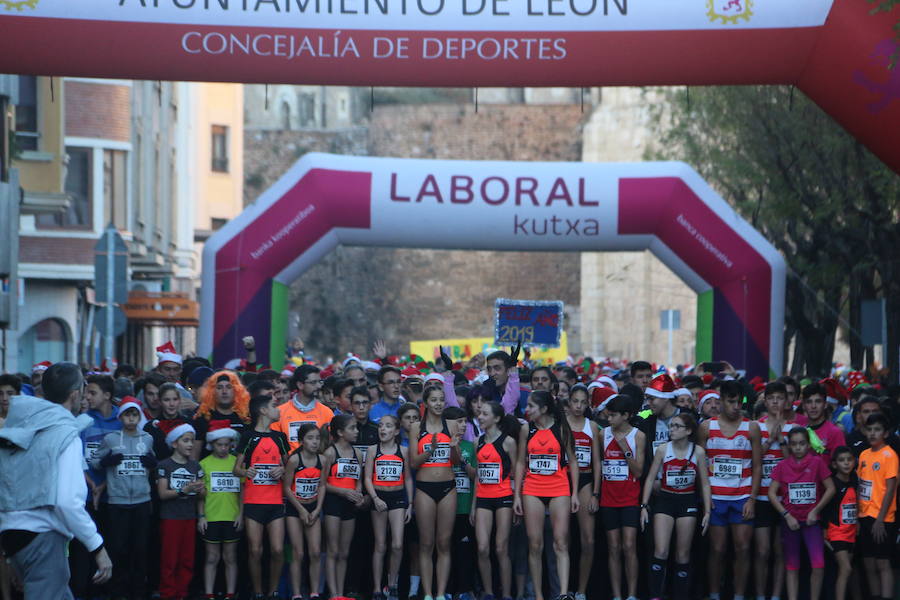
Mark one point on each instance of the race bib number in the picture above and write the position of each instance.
(347, 468)
(223, 481)
(678, 479)
(441, 453)
(768, 465)
(615, 469)
(865, 490)
(727, 468)
(294, 429)
(658, 443)
(848, 513)
(306, 489)
(463, 483)
(130, 466)
(802, 493)
(264, 474)
(489, 473)
(177, 481)
(583, 455)
(388, 470)
(90, 450)
(543, 464)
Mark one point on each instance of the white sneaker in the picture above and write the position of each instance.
(580, 596)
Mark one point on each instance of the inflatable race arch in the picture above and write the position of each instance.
(836, 51)
(326, 200)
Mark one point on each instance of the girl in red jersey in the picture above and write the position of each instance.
(343, 496)
(840, 514)
(623, 462)
(544, 480)
(304, 487)
(587, 450)
(388, 483)
(261, 453)
(495, 455)
(683, 486)
(434, 448)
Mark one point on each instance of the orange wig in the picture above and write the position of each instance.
(208, 396)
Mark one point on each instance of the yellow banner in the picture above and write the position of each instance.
(462, 349)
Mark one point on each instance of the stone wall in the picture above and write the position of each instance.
(357, 295)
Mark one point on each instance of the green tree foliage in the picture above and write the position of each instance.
(829, 205)
(887, 6)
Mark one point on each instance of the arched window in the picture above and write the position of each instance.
(285, 116)
(46, 340)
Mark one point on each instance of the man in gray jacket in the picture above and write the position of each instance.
(42, 487)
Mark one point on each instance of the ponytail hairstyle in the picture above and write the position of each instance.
(691, 425)
(340, 423)
(689, 422)
(546, 399)
(510, 426)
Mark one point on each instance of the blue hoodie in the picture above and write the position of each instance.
(92, 437)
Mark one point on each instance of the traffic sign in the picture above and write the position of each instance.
(111, 285)
(111, 267)
(118, 320)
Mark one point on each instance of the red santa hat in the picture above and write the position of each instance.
(707, 395)
(218, 431)
(167, 353)
(471, 374)
(605, 381)
(410, 372)
(41, 366)
(132, 402)
(834, 391)
(855, 378)
(108, 366)
(600, 397)
(434, 377)
(177, 432)
(661, 386)
(288, 371)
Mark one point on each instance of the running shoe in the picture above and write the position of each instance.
(379, 596)
(392, 593)
(580, 596)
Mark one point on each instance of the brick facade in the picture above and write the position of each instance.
(83, 119)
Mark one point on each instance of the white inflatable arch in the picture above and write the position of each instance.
(325, 200)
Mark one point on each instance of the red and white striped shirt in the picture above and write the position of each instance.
(730, 462)
(773, 456)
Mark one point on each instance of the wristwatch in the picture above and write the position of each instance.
(628, 454)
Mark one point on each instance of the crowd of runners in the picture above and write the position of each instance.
(496, 478)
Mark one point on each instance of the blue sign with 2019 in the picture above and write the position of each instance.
(533, 322)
